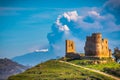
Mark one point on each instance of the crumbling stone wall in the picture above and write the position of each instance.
(70, 50)
(95, 46)
(70, 46)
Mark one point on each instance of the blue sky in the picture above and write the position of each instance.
(25, 25)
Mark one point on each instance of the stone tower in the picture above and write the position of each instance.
(70, 46)
(95, 46)
(70, 50)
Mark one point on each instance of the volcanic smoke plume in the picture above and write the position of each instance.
(71, 25)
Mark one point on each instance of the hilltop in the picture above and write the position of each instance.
(55, 70)
(8, 68)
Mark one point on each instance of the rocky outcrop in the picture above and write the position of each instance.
(8, 68)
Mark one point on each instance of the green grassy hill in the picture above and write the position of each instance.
(55, 70)
(112, 68)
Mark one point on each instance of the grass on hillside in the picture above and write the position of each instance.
(110, 67)
(55, 70)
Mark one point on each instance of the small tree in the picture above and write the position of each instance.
(116, 54)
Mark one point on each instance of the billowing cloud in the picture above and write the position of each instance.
(113, 6)
(61, 30)
(71, 25)
(70, 16)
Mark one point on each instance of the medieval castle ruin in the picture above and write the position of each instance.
(95, 46)
(70, 50)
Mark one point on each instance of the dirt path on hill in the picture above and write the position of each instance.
(97, 71)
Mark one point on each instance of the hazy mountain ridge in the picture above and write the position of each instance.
(8, 68)
(34, 58)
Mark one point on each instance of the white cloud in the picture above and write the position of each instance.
(66, 28)
(71, 20)
(71, 15)
(74, 19)
(42, 50)
(93, 13)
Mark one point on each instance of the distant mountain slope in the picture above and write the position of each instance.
(34, 58)
(8, 68)
(55, 70)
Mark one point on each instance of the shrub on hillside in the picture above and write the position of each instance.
(113, 71)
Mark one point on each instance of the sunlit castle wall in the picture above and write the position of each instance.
(95, 46)
(70, 46)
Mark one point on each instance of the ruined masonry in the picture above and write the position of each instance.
(70, 46)
(95, 46)
(70, 50)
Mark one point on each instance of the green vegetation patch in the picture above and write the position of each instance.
(110, 67)
(55, 70)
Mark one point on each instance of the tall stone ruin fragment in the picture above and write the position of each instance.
(70, 50)
(70, 46)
